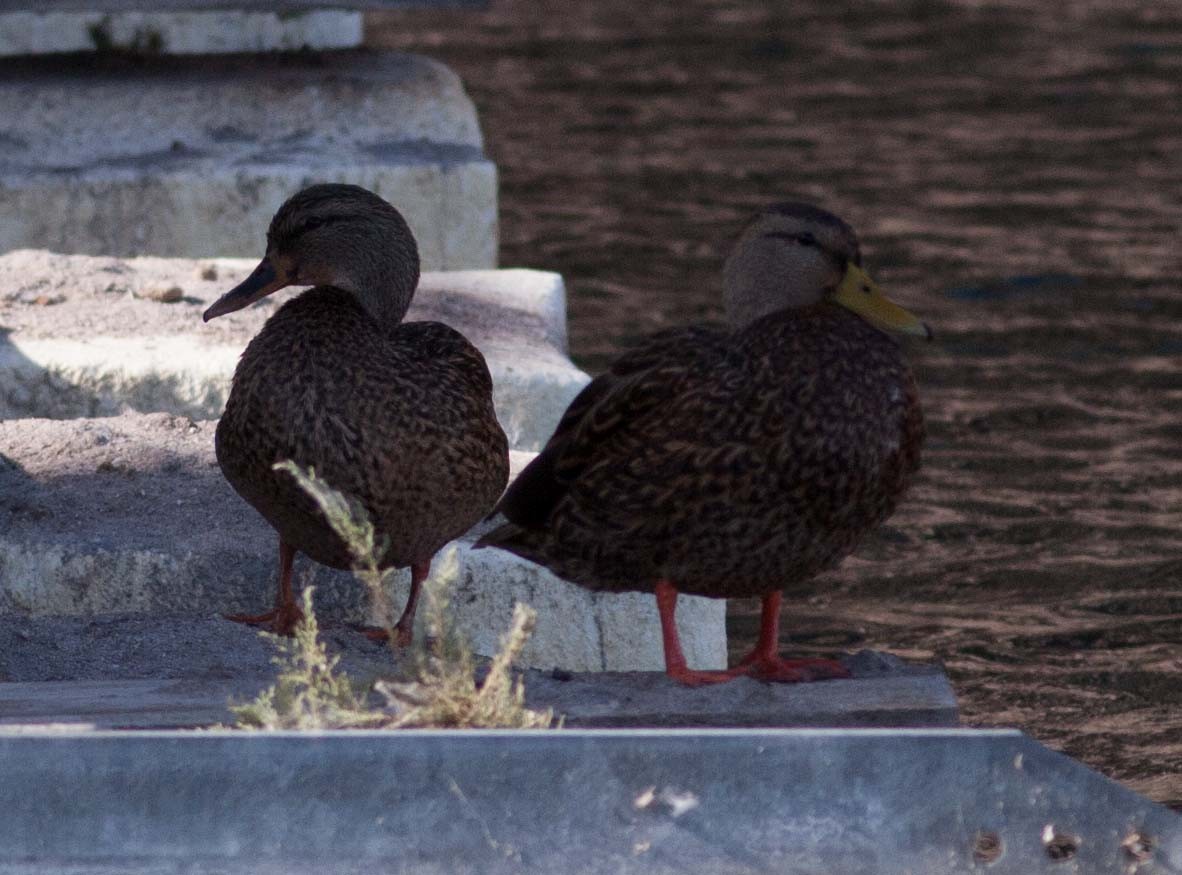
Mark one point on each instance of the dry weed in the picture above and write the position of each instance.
(442, 692)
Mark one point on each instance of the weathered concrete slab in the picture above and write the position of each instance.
(180, 671)
(181, 156)
(130, 648)
(857, 802)
(132, 515)
(87, 336)
(883, 691)
(189, 32)
(176, 703)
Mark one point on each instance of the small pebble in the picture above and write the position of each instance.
(37, 298)
(207, 271)
(165, 294)
(115, 466)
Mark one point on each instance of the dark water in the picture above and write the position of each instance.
(1014, 169)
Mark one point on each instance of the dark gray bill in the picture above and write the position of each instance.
(262, 281)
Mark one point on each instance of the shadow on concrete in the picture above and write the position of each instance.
(30, 389)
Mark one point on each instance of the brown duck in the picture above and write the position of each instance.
(397, 414)
(735, 463)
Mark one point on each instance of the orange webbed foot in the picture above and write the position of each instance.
(279, 621)
(791, 671)
(692, 678)
(403, 635)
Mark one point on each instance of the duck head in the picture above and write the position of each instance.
(796, 255)
(341, 236)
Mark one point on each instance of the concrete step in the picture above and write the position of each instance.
(177, 672)
(91, 336)
(187, 157)
(131, 515)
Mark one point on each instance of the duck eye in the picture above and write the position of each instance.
(804, 238)
(867, 289)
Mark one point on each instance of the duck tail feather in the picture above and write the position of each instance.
(502, 536)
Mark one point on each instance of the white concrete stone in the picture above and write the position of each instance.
(595, 632)
(187, 157)
(132, 515)
(29, 32)
(97, 343)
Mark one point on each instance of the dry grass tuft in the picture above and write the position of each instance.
(311, 693)
(444, 692)
(353, 525)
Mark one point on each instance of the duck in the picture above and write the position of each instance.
(397, 415)
(737, 461)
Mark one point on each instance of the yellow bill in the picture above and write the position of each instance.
(861, 294)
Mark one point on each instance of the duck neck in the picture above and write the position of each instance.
(384, 286)
(748, 298)
(758, 280)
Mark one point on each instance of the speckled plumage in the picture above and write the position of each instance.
(732, 464)
(401, 419)
(397, 415)
(739, 462)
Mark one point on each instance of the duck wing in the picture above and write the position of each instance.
(636, 386)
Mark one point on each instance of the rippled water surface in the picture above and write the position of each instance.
(1015, 171)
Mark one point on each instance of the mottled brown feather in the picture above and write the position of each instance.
(733, 464)
(401, 418)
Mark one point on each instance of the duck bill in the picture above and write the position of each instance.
(262, 281)
(861, 294)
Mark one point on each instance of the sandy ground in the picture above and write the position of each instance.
(163, 297)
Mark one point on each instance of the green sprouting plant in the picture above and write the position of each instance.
(311, 693)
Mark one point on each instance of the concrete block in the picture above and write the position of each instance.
(132, 515)
(190, 32)
(87, 336)
(182, 157)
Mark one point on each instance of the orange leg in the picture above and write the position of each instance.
(765, 663)
(283, 619)
(675, 666)
(404, 629)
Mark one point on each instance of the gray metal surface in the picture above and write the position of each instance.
(786, 801)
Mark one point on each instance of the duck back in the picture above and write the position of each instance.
(400, 418)
(733, 464)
